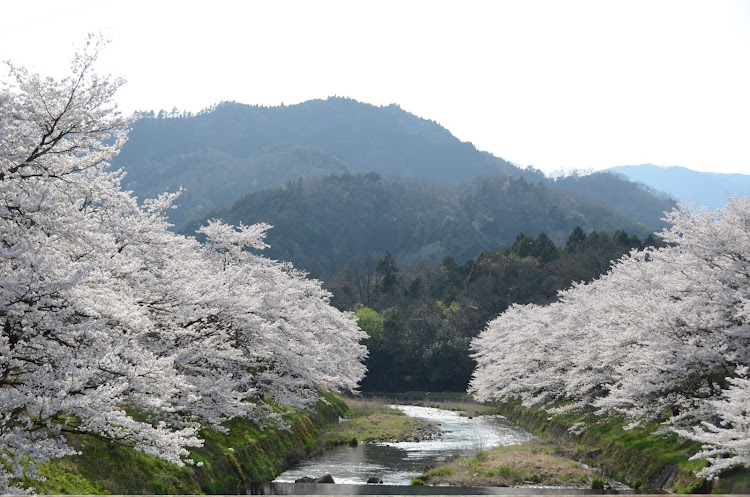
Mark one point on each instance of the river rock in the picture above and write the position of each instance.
(305, 479)
(325, 479)
(374, 480)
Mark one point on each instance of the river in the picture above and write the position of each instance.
(398, 463)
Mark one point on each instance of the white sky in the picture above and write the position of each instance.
(553, 84)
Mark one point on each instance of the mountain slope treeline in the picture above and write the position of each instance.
(234, 149)
(639, 202)
(320, 224)
(264, 147)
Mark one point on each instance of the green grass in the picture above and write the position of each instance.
(373, 420)
(531, 463)
(636, 456)
(246, 453)
(107, 468)
(441, 471)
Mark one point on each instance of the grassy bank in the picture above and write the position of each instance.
(533, 463)
(372, 420)
(228, 461)
(640, 457)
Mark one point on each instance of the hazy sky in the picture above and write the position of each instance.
(553, 84)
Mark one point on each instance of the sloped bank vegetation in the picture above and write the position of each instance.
(639, 457)
(226, 463)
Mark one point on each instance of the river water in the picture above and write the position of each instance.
(398, 463)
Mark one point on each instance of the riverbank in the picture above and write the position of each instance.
(373, 420)
(641, 458)
(229, 462)
(533, 463)
(226, 463)
(529, 464)
(397, 462)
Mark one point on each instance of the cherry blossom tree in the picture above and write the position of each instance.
(662, 336)
(298, 344)
(104, 311)
(726, 442)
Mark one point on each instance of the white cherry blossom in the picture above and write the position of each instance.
(102, 308)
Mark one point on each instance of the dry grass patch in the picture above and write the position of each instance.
(530, 464)
(372, 420)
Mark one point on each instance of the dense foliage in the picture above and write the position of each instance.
(115, 327)
(321, 224)
(639, 202)
(664, 336)
(421, 318)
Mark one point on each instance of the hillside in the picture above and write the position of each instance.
(686, 185)
(320, 224)
(431, 194)
(637, 201)
(235, 149)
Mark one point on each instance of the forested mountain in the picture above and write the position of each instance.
(637, 201)
(320, 224)
(234, 149)
(705, 189)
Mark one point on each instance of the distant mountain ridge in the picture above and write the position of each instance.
(686, 185)
(264, 147)
(638, 201)
(340, 178)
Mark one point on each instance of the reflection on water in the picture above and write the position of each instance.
(398, 463)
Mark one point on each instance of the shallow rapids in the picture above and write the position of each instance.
(398, 463)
